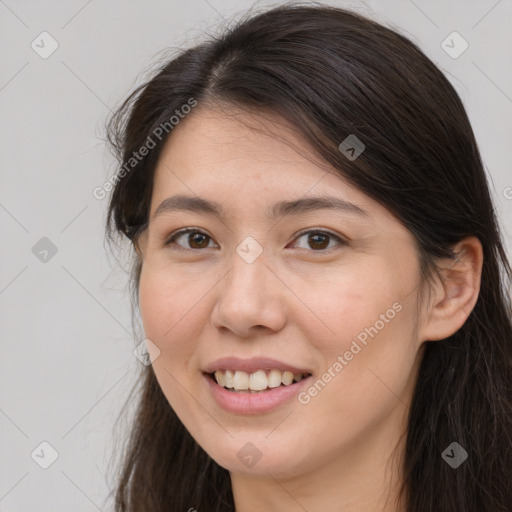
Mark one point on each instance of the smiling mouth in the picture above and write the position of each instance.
(239, 381)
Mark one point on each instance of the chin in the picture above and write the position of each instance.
(258, 457)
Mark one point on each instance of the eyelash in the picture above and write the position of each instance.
(177, 234)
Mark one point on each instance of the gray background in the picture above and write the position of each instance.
(67, 363)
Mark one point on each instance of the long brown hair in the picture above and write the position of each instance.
(332, 73)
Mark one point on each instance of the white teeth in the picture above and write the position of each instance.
(241, 380)
(228, 379)
(258, 381)
(274, 379)
(219, 377)
(287, 378)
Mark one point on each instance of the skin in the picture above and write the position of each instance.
(296, 303)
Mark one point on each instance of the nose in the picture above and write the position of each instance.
(250, 299)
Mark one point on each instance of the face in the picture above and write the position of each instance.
(279, 284)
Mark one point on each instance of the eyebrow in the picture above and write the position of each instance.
(281, 209)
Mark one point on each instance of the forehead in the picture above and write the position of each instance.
(236, 156)
(230, 139)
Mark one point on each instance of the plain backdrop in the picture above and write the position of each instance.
(67, 360)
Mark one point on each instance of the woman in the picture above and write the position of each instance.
(320, 275)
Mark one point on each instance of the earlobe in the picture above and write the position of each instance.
(456, 292)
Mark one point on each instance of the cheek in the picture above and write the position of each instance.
(364, 336)
(169, 310)
(165, 297)
(369, 373)
(346, 304)
(156, 299)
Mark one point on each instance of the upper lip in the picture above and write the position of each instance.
(252, 365)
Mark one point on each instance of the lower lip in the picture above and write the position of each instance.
(254, 403)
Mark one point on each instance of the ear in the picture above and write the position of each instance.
(456, 292)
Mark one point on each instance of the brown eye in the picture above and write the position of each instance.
(320, 240)
(196, 239)
(199, 239)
